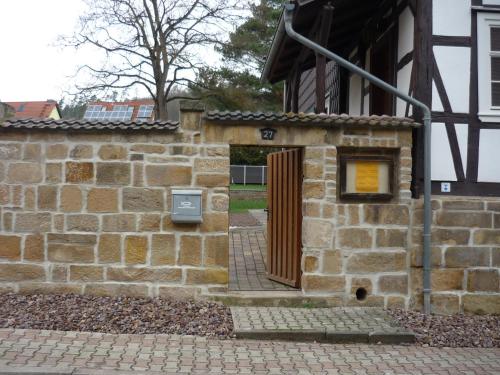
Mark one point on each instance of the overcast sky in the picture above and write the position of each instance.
(31, 67)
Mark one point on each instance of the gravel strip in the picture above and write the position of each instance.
(456, 331)
(115, 315)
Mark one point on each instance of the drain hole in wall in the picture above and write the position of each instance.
(361, 294)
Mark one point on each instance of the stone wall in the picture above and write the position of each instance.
(465, 255)
(89, 212)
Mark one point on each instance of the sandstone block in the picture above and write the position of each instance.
(70, 253)
(24, 173)
(217, 151)
(53, 172)
(47, 197)
(57, 151)
(487, 237)
(317, 233)
(393, 284)
(136, 249)
(445, 304)
(112, 152)
(190, 250)
(332, 261)
(355, 238)
(451, 237)
(416, 253)
(49, 288)
(21, 272)
(376, 262)
(178, 293)
(75, 239)
(71, 198)
(212, 165)
(447, 279)
(34, 248)
(10, 247)
(33, 222)
(217, 251)
(220, 202)
(163, 250)
(206, 276)
(321, 284)
(82, 152)
(169, 226)
(32, 151)
(495, 257)
(58, 272)
(312, 209)
(109, 250)
(10, 151)
(102, 200)
(496, 221)
(113, 173)
(313, 189)
(119, 223)
(150, 223)
(144, 274)
(215, 222)
(82, 223)
(142, 199)
(86, 273)
(463, 205)
(168, 175)
(313, 171)
(212, 180)
(395, 302)
(361, 282)
(483, 280)
(113, 290)
(391, 238)
(183, 150)
(481, 303)
(148, 148)
(77, 172)
(467, 257)
(386, 214)
(469, 220)
(310, 263)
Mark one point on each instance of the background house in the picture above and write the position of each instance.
(36, 109)
(442, 52)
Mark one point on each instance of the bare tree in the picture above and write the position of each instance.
(156, 44)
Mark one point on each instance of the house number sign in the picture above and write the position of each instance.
(267, 134)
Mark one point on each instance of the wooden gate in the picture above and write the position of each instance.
(284, 218)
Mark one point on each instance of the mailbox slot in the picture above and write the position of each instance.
(186, 206)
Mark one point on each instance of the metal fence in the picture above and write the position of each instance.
(249, 174)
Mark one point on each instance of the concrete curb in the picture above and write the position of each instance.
(11, 370)
(282, 334)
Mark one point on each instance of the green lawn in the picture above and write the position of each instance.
(240, 205)
(254, 187)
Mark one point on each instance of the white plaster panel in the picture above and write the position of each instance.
(489, 151)
(491, 2)
(366, 105)
(405, 33)
(436, 100)
(354, 95)
(462, 131)
(454, 66)
(403, 84)
(451, 17)
(442, 168)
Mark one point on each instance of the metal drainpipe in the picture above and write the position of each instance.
(289, 7)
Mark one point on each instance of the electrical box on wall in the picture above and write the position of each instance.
(186, 206)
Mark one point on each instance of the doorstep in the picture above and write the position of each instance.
(334, 325)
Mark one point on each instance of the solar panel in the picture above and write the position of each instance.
(119, 113)
(92, 112)
(145, 112)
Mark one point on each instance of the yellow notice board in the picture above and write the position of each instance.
(367, 177)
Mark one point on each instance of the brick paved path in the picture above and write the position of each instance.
(87, 352)
(247, 269)
(335, 324)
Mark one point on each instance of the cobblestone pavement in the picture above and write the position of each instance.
(247, 269)
(353, 323)
(85, 353)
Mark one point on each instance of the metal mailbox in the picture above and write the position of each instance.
(186, 206)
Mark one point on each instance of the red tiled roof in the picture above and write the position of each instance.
(131, 103)
(37, 109)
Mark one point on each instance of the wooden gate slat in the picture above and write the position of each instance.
(285, 216)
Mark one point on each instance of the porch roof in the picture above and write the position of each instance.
(349, 19)
(305, 119)
(63, 124)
